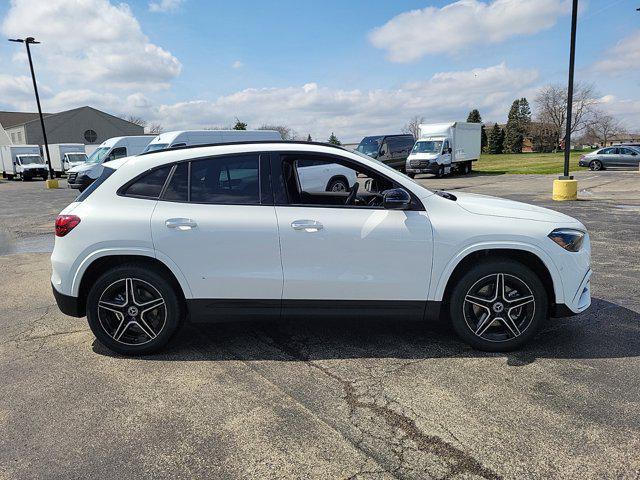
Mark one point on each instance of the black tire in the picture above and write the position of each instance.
(411, 175)
(338, 184)
(596, 165)
(506, 327)
(440, 172)
(124, 333)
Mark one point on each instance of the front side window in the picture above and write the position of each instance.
(226, 180)
(327, 181)
(118, 152)
(149, 185)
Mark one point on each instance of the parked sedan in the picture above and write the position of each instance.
(621, 156)
(229, 232)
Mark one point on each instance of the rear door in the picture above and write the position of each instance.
(628, 157)
(216, 222)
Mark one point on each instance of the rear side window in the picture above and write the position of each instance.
(178, 187)
(149, 185)
(106, 173)
(226, 180)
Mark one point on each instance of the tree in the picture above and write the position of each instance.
(525, 115)
(333, 140)
(513, 135)
(155, 128)
(136, 120)
(413, 126)
(286, 133)
(496, 139)
(603, 127)
(551, 108)
(474, 116)
(309, 138)
(239, 125)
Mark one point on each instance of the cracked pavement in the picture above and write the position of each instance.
(358, 399)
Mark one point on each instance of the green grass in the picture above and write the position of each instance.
(525, 163)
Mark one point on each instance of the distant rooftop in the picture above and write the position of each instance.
(11, 119)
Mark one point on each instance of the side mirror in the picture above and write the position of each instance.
(396, 199)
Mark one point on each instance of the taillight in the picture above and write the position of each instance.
(66, 223)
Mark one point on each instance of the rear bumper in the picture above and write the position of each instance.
(68, 305)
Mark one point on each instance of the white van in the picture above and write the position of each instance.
(186, 138)
(445, 147)
(22, 161)
(65, 156)
(82, 176)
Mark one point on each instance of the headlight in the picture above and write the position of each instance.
(568, 238)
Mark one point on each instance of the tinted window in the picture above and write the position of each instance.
(605, 151)
(625, 151)
(178, 185)
(226, 180)
(149, 185)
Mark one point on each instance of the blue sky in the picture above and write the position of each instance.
(353, 67)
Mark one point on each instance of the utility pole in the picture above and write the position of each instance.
(28, 41)
(565, 187)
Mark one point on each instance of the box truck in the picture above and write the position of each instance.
(82, 176)
(22, 161)
(65, 156)
(443, 148)
(187, 138)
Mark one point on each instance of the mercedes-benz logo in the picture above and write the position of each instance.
(498, 307)
(132, 311)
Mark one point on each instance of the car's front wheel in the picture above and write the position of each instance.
(498, 305)
(133, 310)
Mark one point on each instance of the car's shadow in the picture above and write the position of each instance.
(606, 330)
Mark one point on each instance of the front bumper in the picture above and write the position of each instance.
(68, 305)
(421, 166)
(79, 182)
(35, 172)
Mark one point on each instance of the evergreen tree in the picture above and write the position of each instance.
(333, 140)
(496, 139)
(483, 139)
(309, 138)
(500, 145)
(474, 116)
(513, 134)
(240, 125)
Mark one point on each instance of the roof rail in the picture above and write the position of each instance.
(247, 142)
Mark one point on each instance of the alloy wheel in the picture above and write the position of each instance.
(595, 165)
(499, 307)
(339, 186)
(132, 311)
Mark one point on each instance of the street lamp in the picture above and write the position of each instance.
(566, 188)
(28, 41)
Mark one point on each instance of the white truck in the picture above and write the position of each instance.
(186, 138)
(22, 161)
(443, 148)
(82, 176)
(65, 156)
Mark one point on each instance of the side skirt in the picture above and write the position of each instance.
(232, 310)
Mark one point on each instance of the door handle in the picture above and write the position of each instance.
(180, 223)
(307, 225)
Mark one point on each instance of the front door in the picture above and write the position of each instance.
(349, 258)
(215, 224)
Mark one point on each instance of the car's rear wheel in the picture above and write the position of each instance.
(338, 184)
(595, 165)
(133, 310)
(498, 305)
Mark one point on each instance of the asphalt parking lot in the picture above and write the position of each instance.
(359, 399)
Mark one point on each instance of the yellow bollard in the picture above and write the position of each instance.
(52, 183)
(565, 190)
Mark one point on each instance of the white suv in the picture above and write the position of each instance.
(227, 232)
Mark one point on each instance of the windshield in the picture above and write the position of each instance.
(427, 146)
(76, 157)
(98, 155)
(152, 147)
(30, 159)
(369, 145)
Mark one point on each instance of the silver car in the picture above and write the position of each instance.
(619, 156)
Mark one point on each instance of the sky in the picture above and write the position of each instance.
(355, 68)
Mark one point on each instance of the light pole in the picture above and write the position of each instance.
(28, 41)
(566, 188)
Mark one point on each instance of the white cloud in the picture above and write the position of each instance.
(165, 5)
(91, 43)
(318, 110)
(623, 57)
(237, 64)
(627, 110)
(431, 30)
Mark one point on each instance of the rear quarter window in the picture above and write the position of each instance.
(106, 173)
(149, 185)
